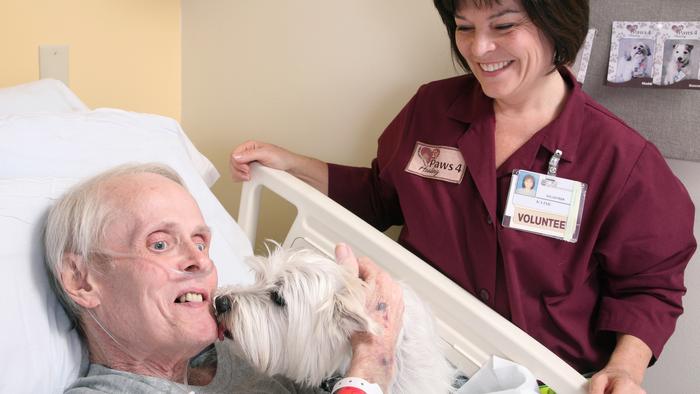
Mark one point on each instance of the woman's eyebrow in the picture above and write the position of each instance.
(504, 12)
(494, 16)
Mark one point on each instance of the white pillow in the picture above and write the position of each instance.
(40, 157)
(44, 95)
(53, 96)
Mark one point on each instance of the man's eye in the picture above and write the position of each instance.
(159, 245)
(464, 29)
(202, 247)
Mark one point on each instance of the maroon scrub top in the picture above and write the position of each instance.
(623, 275)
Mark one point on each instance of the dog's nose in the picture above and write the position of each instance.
(222, 304)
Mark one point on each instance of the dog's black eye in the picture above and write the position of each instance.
(277, 298)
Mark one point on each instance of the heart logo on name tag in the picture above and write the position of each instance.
(632, 28)
(677, 28)
(428, 154)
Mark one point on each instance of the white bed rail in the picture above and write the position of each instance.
(471, 330)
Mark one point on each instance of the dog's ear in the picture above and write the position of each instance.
(647, 50)
(259, 266)
(690, 47)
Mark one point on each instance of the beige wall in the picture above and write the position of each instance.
(324, 78)
(123, 53)
(320, 77)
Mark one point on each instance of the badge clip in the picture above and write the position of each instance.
(554, 163)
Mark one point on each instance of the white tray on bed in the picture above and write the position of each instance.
(471, 330)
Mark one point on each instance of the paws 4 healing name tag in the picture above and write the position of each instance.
(545, 205)
(437, 162)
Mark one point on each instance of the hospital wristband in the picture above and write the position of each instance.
(356, 383)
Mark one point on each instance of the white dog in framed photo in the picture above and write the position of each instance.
(297, 318)
(634, 62)
(678, 66)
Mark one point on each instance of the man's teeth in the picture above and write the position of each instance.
(490, 67)
(190, 297)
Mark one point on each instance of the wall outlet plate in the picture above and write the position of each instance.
(53, 62)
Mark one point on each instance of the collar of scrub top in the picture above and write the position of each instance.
(470, 105)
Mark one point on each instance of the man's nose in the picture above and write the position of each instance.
(195, 259)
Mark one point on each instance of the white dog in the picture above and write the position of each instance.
(636, 63)
(297, 318)
(678, 65)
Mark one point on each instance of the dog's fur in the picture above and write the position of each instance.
(636, 63)
(678, 65)
(297, 318)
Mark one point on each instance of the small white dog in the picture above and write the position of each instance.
(636, 63)
(678, 65)
(297, 318)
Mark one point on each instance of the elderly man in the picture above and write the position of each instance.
(128, 254)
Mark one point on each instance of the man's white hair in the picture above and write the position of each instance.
(77, 221)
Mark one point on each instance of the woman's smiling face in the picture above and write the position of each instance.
(506, 52)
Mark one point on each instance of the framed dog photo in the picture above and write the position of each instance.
(580, 67)
(680, 55)
(632, 52)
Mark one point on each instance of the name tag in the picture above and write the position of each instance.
(545, 205)
(443, 163)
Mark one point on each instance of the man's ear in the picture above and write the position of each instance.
(77, 282)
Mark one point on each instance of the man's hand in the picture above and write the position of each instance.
(373, 356)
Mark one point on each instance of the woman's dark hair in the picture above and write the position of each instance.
(563, 22)
(526, 177)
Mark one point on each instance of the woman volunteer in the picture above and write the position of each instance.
(592, 264)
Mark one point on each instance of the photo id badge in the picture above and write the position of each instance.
(545, 205)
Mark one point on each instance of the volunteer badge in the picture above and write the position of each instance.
(443, 163)
(545, 204)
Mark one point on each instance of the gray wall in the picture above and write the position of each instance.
(670, 118)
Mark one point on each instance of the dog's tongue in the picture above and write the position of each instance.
(221, 330)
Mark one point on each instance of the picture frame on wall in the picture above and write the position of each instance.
(649, 54)
(580, 66)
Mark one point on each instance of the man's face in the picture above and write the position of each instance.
(156, 290)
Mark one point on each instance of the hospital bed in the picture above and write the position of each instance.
(49, 140)
(472, 331)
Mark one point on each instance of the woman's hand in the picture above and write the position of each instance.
(310, 170)
(625, 370)
(266, 154)
(614, 381)
(373, 356)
